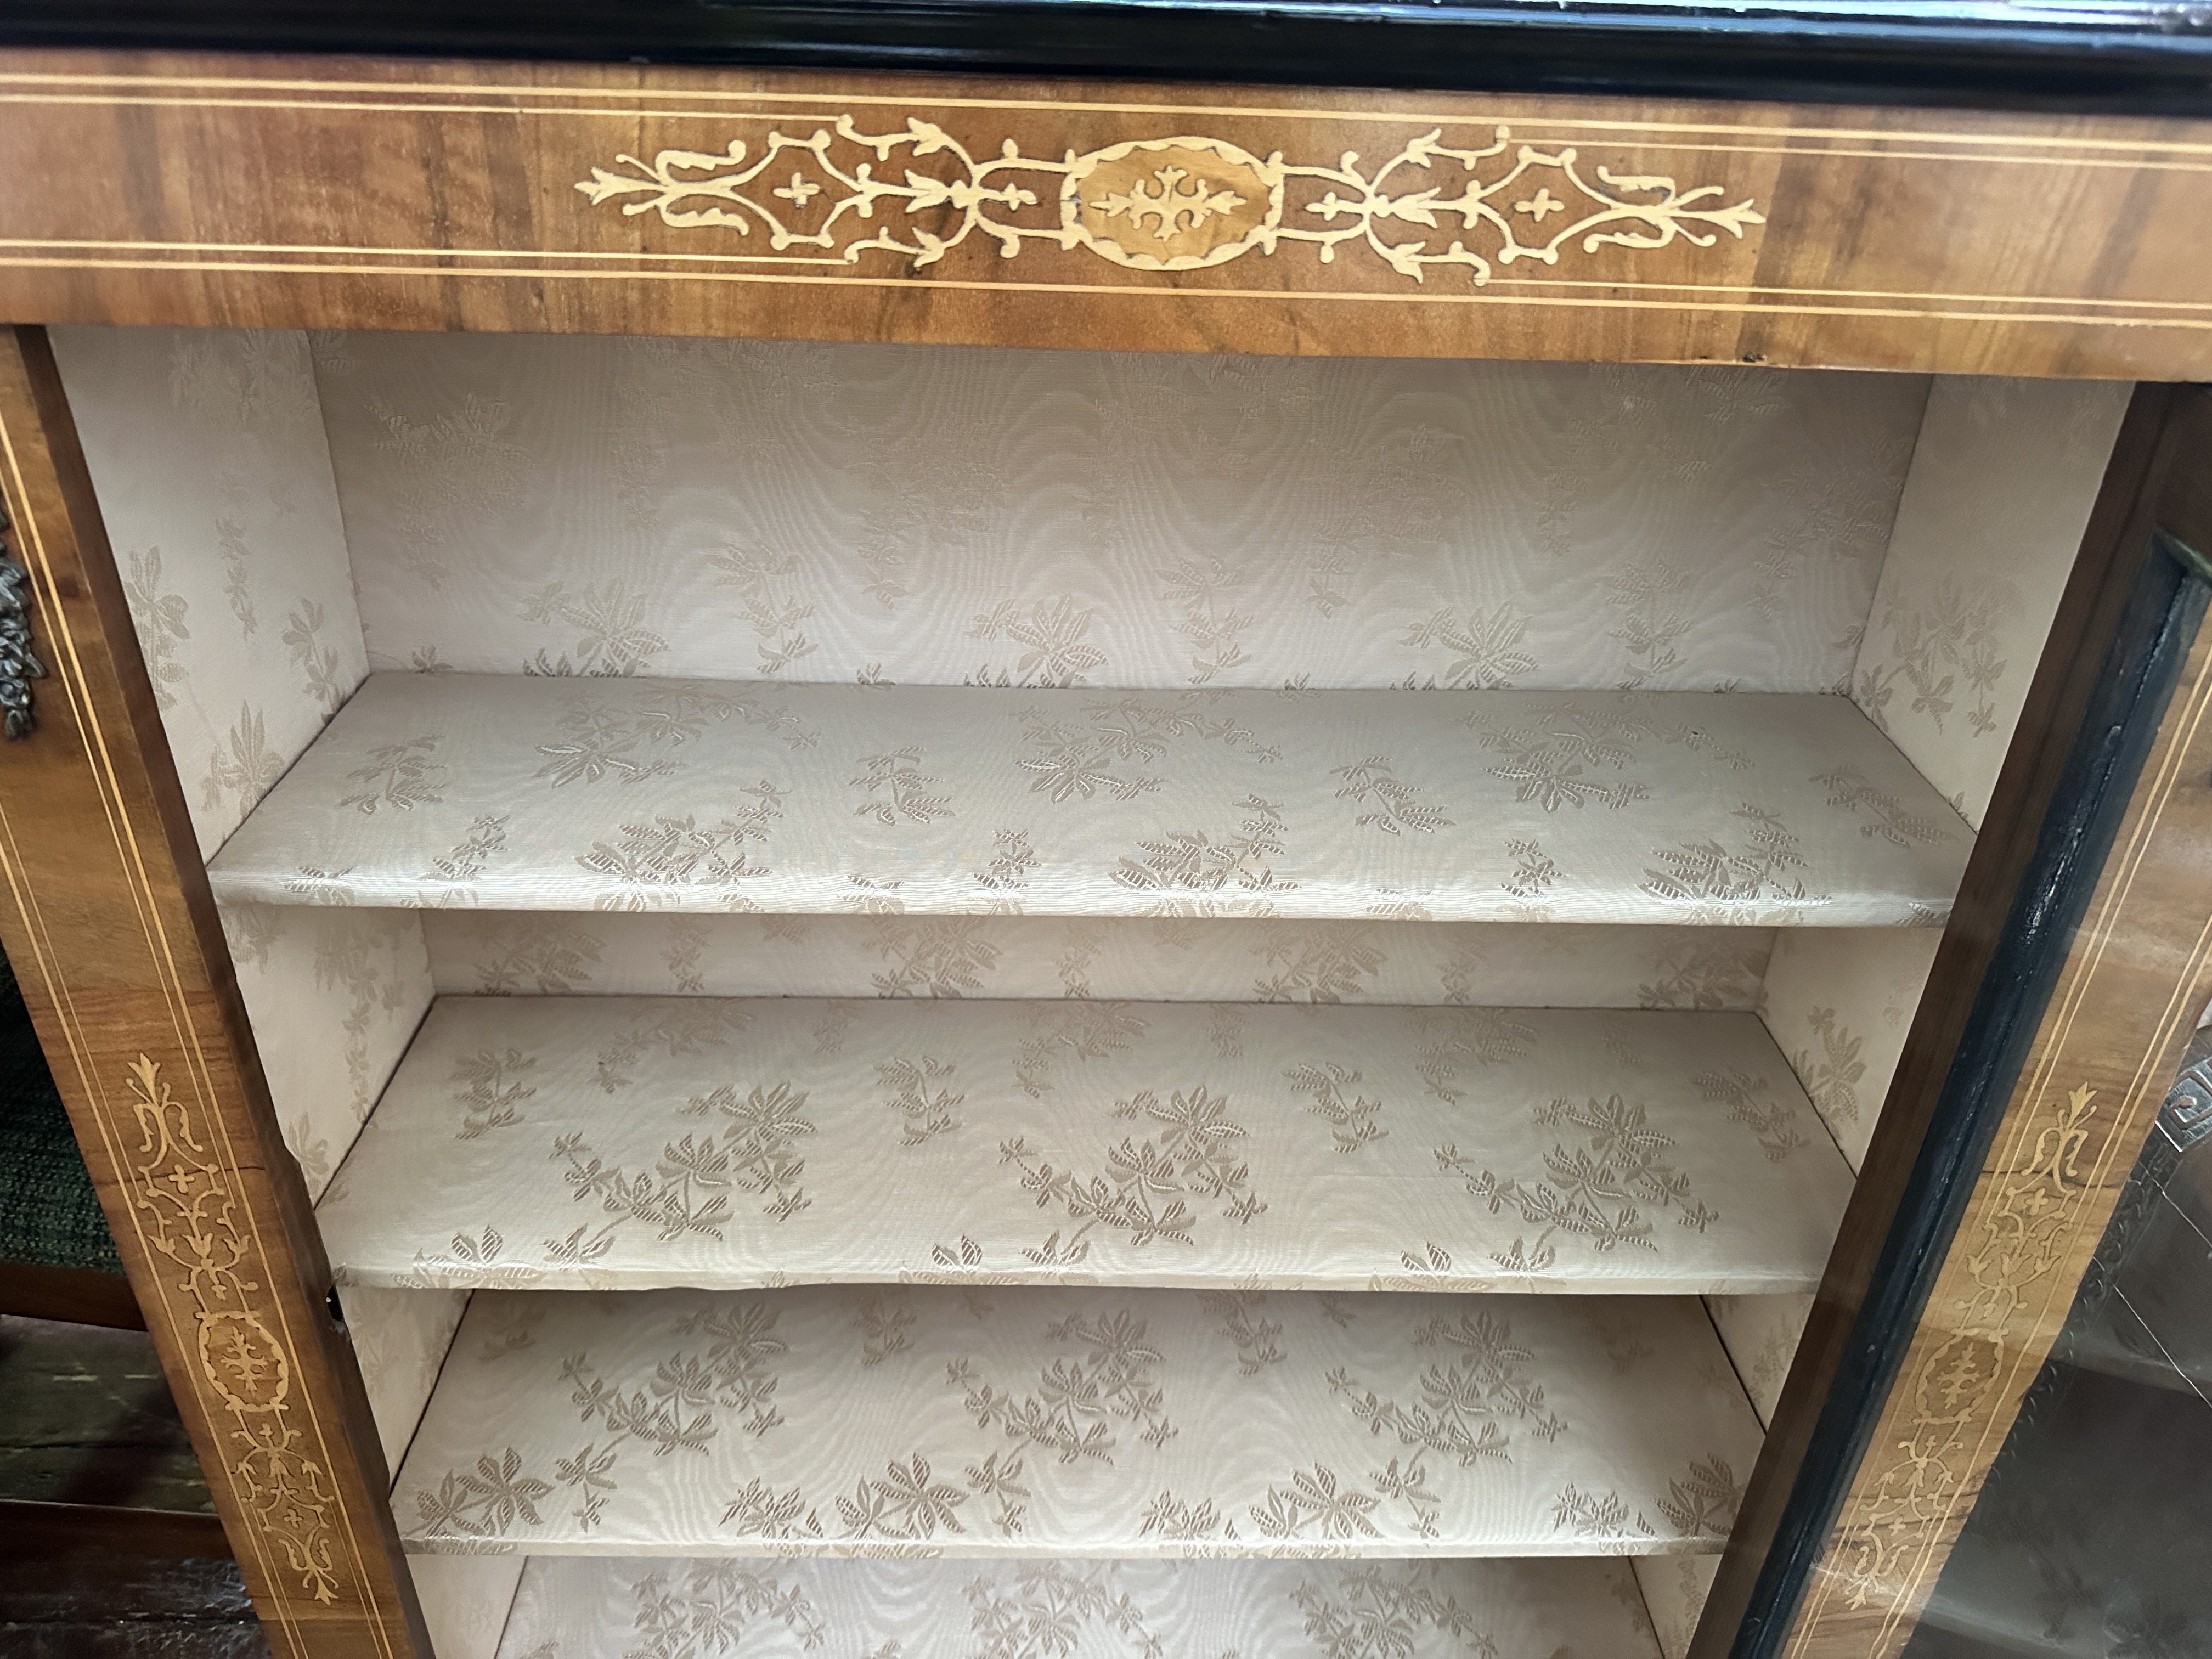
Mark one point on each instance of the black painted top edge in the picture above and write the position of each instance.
(2095, 56)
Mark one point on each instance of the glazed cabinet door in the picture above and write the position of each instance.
(2072, 975)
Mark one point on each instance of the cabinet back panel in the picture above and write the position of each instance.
(749, 509)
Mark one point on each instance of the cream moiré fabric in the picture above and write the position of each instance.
(1762, 1333)
(334, 996)
(634, 1142)
(1022, 1421)
(1134, 959)
(2001, 484)
(1076, 1609)
(781, 510)
(207, 451)
(1674, 1588)
(512, 792)
(400, 1338)
(1841, 1004)
(466, 1600)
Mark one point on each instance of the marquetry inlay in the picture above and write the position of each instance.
(192, 1215)
(1179, 204)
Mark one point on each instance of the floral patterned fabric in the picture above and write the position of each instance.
(1674, 1588)
(1132, 958)
(207, 451)
(2002, 480)
(628, 1142)
(795, 515)
(1840, 1002)
(775, 510)
(494, 791)
(1025, 1421)
(1076, 1609)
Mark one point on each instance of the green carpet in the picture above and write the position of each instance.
(48, 1214)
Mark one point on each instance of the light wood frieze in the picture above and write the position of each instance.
(408, 194)
(106, 918)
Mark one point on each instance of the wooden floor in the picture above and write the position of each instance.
(96, 1604)
(85, 1418)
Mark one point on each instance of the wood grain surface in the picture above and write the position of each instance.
(106, 918)
(2136, 975)
(569, 198)
(87, 1296)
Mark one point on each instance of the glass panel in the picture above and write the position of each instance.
(2091, 1534)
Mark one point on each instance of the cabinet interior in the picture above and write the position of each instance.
(1082, 960)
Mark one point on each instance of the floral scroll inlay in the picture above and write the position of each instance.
(192, 1209)
(2018, 1239)
(1177, 203)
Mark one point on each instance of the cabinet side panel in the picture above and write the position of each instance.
(1762, 1333)
(107, 917)
(1674, 1588)
(2063, 991)
(1839, 1003)
(335, 996)
(400, 1338)
(466, 1600)
(2000, 487)
(206, 449)
(208, 453)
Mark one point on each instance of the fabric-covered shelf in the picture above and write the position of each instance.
(536, 792)
(607, 1143)
(1030, 1421)
(1176, 1609)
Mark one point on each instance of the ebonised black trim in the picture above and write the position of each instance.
(2149, 646)
(2114, 57)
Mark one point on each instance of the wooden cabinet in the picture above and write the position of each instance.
(900, 865)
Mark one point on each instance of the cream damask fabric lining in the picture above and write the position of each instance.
(629, 1143)
(507, 792)
(1026, 1421)
(1076, 1609)
(207, 451)
(206, 447)
(1675, 1589)
(1131, 958)
(2001, 483)
(1840, 1003)
(801, 513)
(761, 510)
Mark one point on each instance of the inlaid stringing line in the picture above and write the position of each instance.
(1133, 290)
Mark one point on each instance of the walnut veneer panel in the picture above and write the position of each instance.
(613, 198)
(550, 793)
(636, 1142)
(1021, 1421)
